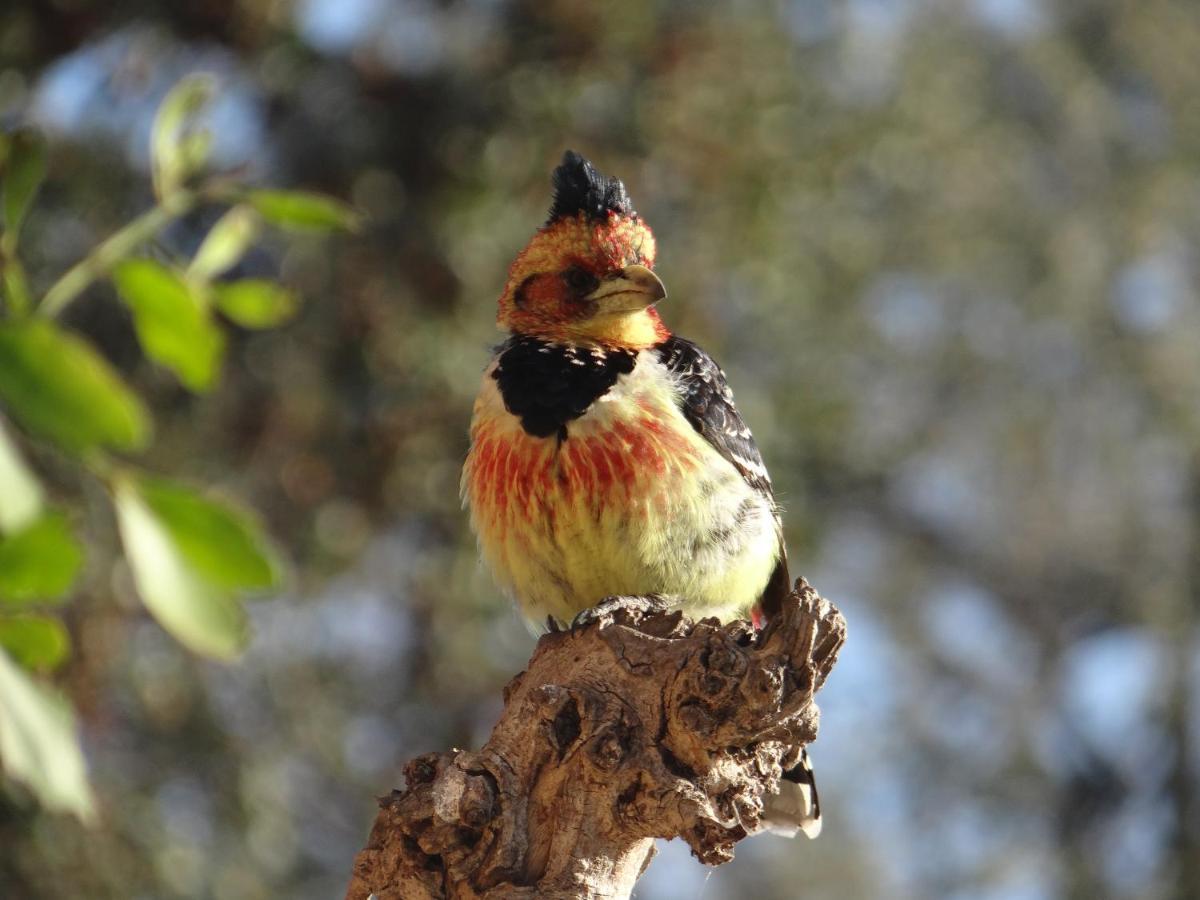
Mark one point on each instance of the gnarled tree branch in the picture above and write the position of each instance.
(636, 725)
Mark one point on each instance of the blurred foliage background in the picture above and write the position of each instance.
(946, 252)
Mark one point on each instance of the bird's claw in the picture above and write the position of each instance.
(608, 609)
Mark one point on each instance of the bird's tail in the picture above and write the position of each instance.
(796, 807)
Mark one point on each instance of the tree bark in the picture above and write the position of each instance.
(633, 725)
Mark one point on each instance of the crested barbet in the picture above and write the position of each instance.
(607, 456)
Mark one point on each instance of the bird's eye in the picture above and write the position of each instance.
(580, 280)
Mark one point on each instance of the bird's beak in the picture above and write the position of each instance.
(633, 288)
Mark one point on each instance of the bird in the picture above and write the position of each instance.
(607, 455)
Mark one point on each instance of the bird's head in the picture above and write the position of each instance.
(585, 277)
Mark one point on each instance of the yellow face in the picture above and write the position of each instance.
(585, 281)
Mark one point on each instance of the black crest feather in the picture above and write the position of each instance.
(579, 188)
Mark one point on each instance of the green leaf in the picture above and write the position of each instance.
(38, 743)
(35, 642)
(40, 562)
(202, 615)
(304, 211)
(16, 286)
(24, 170)
(172, 323)
(55, 385)
(255, 303)
(222, 542)
(225, 243)
(175, 153)
(20, 489)
(195, 149)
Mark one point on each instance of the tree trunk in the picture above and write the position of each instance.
(634, 725)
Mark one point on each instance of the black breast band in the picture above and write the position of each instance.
(547, 385)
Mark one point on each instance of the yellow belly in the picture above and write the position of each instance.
(623, 506)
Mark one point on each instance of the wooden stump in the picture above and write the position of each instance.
(636, 725)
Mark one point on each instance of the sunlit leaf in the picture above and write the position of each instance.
(304, 211)
(221, 541)
(225, 243)
(39, 563)
(255, 303)
(172, 323)
(24, 170)
(35, 642)
(195, 149)
(38, 742)
(55, 385)
(173, 152)
(20, 490)
(203, 615)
